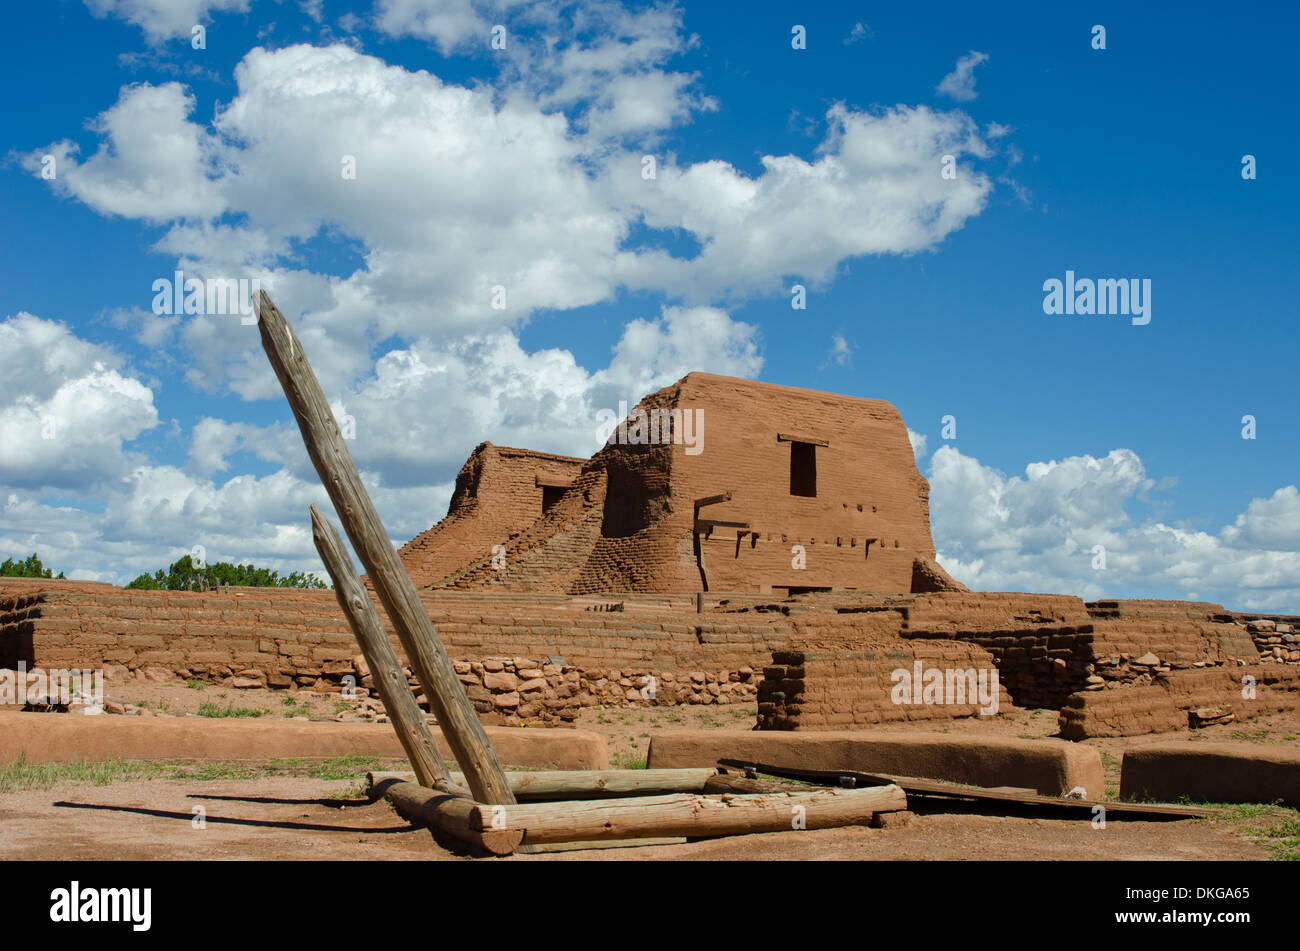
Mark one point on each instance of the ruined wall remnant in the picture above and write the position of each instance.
(499, 492)
(805, 491)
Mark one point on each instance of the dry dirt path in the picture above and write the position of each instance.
(296, 818)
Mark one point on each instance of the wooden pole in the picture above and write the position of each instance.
(399, 703)
(677, 814)
(559, 784)
(453, 815)
(329, 453)
(690, 815)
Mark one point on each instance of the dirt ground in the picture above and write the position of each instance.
(294, 810)
(298, 818)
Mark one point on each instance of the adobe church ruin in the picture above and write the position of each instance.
(775, 490)
(591, 596)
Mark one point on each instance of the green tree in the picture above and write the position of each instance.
(29, 568)
(184, 575)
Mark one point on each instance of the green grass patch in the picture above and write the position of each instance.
(292, 708)
(344, 767)
(1283, 838)
(631, 760)
(210, 709)
(1274, 826)
(355, 791)
(21, 774)
(1252, 735)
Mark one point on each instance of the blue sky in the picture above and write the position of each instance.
(776, 166)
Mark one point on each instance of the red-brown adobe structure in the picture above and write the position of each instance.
(592, 595)
(711, 484)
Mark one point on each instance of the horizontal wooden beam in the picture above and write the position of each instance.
(786, 437)
(553, 481)
(692, 815)
(939, 789)
(712, 500)
(707, 525)
(543, 785)
(501, 829)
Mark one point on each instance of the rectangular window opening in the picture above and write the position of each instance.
(550, 495)
(803, 469)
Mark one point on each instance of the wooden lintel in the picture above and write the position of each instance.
(786, 437)
(707, 525)
(712, 500)
(686, 814)
(545, 479)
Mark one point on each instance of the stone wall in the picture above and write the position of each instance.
(512, 690)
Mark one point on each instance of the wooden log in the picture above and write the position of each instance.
(399, 703)
(719, 784)
(607, 783)
(455, 816)
(560, 784)
(329, 454)
(611, 844)
(683, 814)
(925, 788)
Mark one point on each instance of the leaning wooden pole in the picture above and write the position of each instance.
(406, 716)
(329, 453)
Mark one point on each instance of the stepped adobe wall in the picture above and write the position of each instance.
(499, 492)
(714, 484)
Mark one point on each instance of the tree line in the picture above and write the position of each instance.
(181, 575)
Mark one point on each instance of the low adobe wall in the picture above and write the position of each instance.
(839, 689)
(1052, 767)
(1212, 772)
(44, 738)
(1164, 705)
(287, 636)
(532, 659)
(1048, 649)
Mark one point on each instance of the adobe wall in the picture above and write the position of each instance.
(285, 637)
(841, 689)
(1137, 666)
(1042, 644)
(628, 522)
(1164, 704)
(871, 513)
(499, 492)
